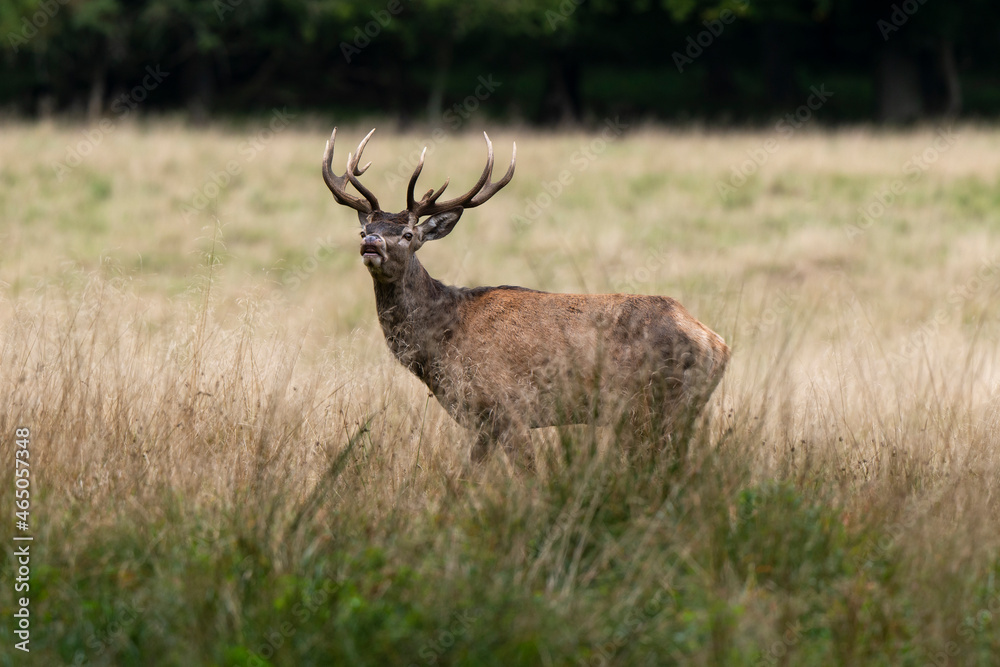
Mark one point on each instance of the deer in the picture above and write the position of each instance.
(504, 360)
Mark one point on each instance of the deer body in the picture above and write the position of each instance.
(505, 359)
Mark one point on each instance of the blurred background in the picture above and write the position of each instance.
(542, 62)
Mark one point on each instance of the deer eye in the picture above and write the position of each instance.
(362, 233)
(408, 236)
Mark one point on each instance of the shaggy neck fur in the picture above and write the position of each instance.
(418, 315)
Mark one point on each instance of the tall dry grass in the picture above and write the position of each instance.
(230, 469)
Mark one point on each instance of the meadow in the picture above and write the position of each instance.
(229, 468)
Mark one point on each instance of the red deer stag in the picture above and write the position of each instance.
(505, 359)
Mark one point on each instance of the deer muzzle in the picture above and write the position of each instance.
(373, 250)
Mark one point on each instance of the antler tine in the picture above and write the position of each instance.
(432, 195)
(491, 189)
(418, 207)
(474, 197)
(338, 184)
(459, 202)
(353, 172)
(411, 203)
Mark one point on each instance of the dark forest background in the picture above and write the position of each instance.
(546, 61)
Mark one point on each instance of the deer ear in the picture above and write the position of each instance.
(362, 218)
(440, 225)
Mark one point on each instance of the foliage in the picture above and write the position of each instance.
(413, 58)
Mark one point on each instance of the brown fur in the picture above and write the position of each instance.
(506, 359)
(502, 360)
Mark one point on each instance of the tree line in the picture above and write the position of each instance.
(542, 61)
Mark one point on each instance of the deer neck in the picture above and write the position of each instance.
(418, 315)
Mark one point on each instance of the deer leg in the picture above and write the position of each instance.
(658, 417)
(510, 433)
(676, 406)
(483, 446)
(490, 431)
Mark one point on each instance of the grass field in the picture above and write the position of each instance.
(227, 466)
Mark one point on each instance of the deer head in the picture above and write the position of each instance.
(389, 240)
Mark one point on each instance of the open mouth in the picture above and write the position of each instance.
(371, 254)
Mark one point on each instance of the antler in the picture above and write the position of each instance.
(338, 184)
(479, 194)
